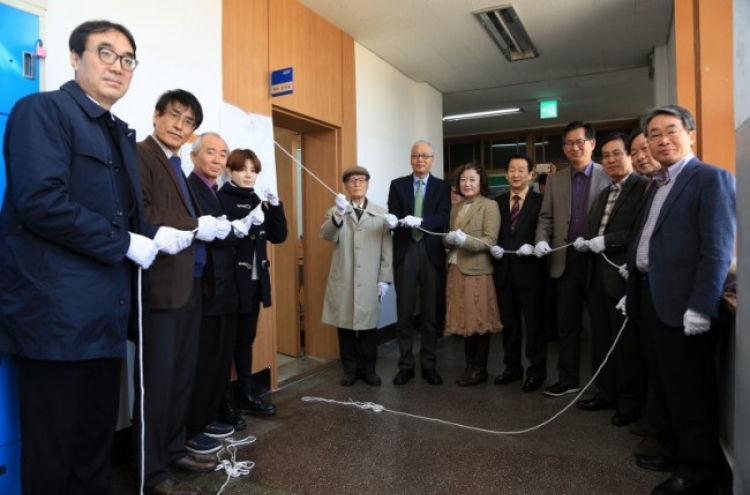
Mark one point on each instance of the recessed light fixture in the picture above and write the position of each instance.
(482, 115)
(506, 30)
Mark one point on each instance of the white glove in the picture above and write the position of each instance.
(256, 217)
(542, 249)
(525, 250)
(596, 244)
(271, 196)
(224, 227)
(142, 250)
(621, 305)
(239, 228)
(623, 271)
(411, 221)
(497, 252)
(391, 220)
(580, 245)
(695, 323)
(460, 238)
(450, 238)
(208, 227)
(383, 289)
(341, 203)
(172, 241)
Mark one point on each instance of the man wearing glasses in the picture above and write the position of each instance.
(678, 263)
(420, 201)
(562, 219)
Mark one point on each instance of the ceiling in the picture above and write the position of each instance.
(593, 55)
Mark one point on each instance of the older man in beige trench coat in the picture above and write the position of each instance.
(360, 275)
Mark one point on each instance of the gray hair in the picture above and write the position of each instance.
(199, 140)
(676, 111)
(422, 141)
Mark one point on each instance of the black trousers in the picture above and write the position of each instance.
(571, 292)
(516, 307)
(358, 350)
(68, 421)
(247, 329)
(417, 279)
(170, 352)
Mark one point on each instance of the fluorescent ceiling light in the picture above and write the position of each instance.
(507, 31)
(482, 115)
(515, 145)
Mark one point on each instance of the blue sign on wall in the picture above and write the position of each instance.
(282, 82)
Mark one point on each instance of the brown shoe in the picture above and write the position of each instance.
(190, 463)
(171, 486)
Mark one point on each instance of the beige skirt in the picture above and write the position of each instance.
(471, 304)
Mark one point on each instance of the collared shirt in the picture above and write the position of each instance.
(209, 182)
(580, 184)
(614, 192)
(521, 197)
(665, 178)
(415, 182)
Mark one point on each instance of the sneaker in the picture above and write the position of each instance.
(202, 444)
(560, 389)
(218, 430)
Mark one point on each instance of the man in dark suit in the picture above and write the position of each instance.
(678, 263)
(563, 218)
(622, 382)
(172, 327)
(419, 200)
(521, 279)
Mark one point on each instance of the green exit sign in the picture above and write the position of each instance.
(548, 109)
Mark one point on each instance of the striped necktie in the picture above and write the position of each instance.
(514, 211)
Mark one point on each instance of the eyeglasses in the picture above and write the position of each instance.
(356, 180)
(618, 153)
(127, 61)
(176, 116)
(417, 157)
(656, 136)
(578, 143)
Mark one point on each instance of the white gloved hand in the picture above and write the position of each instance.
(542, 249)
(623, 269)
(383, 288)
(525, 250)
(460, 238)
(341, 203)
(450, 238)
(142, 250)
(224, 227)
(256, 217)
(172, 241)
(239, 228)
(695, 323)
(208, 227)
(271, 196)
(580, 245)
(596, 244)
(621, 306)
(391, 220)
(497, 252)
(411, 221)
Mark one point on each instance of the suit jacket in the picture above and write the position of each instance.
(219, 281)
(436, 209)
(171, 276)
(692, 244)
(618, 232)
(481, 220)
(554, 217)
(528, 272)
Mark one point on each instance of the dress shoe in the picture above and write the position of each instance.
(655, 463)
(559, 389)
(624, 419)
(432, 377)
(229, 415)
(371, 378)
(190, 463)
(171, 486)
(677, 485)
(403, 376)
(650, 446)
(348, 379)
(532, 384)
(246, 400)
(507, 377)
(473, 376)
(595, 404)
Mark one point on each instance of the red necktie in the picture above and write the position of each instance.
(514, 211)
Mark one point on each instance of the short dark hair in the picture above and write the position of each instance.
(588, 129)
(184, 98)
(521, 156)
(681, 113)
(484, 181)
(635, 134)
(80, 35)
(237, 158)
(614, 137)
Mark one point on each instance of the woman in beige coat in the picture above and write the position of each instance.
(360, 276)
(472, 309)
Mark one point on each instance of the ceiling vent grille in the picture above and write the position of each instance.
(505, 28)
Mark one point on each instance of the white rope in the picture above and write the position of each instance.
(232, 467)
(380, 408)
(140, 370)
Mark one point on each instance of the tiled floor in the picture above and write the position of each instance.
(316, 448)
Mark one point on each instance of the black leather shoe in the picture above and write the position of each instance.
(247, 401)
(229, 415)
(595, 404)
(192, 464)
(677, 485)
(475, 377)
(171, 486)
(507, 377)
(403, 377)
(655, 463)
(370, 378)
(532, 384)
(432, 377)
(348, 379)
(624, 419)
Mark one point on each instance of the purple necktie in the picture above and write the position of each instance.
(514, 211)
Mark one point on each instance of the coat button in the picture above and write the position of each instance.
(122, 302)
(119, 213)
(111, 234)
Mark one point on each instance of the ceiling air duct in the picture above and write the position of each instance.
(505, 28)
